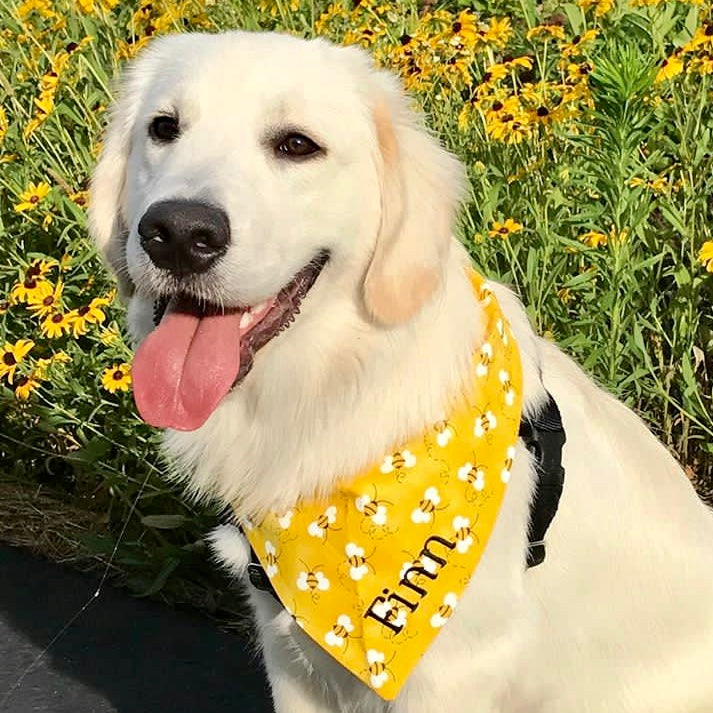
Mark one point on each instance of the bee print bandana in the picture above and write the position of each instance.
(374, 571)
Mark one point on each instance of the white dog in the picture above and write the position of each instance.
(243, 174)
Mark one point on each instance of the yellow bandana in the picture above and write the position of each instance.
(375, 570)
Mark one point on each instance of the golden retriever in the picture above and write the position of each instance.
(246, 174)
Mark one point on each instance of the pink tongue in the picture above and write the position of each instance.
(185, 367)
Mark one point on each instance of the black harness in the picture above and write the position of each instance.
(544, 436)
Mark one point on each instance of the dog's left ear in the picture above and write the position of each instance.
(421, 187)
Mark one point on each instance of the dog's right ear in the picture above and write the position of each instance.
(107, 190)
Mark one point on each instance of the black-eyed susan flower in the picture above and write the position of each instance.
(35, 288)
(109, 335)
(88, 314)
(11, 355)
(705, 256)
(503, 230)
(669, 68)
(43, 306)
(703, 37)
(576, 46)
(25, 386)
(56, 324)
(594, 239)
(117, 377)
(32, 196)
(546, 31)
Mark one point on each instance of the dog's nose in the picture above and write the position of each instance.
(185, 237)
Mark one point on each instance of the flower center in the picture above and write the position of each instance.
(9, 359)
(57, 318)
(118, 375)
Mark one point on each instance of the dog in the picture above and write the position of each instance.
(286, 187)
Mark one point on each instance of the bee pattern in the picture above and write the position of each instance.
(464, 535)
(271, 567)
(424, 562)
(474, 475)
(507, 387)
(427, 507)
(507, 468)
(378, 673)
(486, 293)
(373, 509)
(338, 635)
(484, 359)
(398, 462)
(395, 615)
(358, 566)
(485, 423)
(312, 581)
(320, 526)
(500, 326)
(444, 611)
(285, 520)
(444, 433)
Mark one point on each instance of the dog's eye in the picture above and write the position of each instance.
(296, 146)
(164, 128)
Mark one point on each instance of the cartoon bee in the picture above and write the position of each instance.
(398, 462)
(444, 433)
(500, 326)
(484, 359)
(463, 534)
(507, 467)
(377, 668)
(271, 566)
(338, 635)
(312, 580)
(358, 566)
(285, 520)
(486, 293)
(507, 387)
(374, 509)
(426, 509)
(472, 474)
(484, 423)
(320, 526)
(444, 611)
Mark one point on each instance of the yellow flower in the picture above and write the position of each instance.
(670, 67)
(25, 386)
(705, 256)
(56, 324)
(502, 230)
(41, 7)
(117, 377)
(703, 37)
(593, 239)
(32, 287)
(81, 198)
(30, 198)
(498, 32)
(556, 31)
(88, 314)
(701, 65)
(43, 306)
(11, 355)
(109, 335)
(574, 47)
(3, 124)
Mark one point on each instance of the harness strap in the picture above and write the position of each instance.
(544, 437)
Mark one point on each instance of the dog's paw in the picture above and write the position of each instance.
(230, 548)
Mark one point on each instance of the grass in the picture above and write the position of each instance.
(586, 129)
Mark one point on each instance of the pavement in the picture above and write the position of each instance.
(119, 655)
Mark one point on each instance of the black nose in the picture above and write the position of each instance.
(185, 237)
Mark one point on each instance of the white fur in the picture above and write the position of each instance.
(619, 618)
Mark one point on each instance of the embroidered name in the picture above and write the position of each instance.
(382, 609)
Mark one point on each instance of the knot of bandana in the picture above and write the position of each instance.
(373, 572)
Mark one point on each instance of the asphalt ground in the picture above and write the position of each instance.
(119, 655)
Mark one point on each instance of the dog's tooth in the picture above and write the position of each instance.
(246, 320)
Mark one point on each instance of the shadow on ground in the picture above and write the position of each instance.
(121, 655)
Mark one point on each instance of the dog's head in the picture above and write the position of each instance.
(242, 173)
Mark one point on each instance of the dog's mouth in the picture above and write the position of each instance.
(197, 353)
